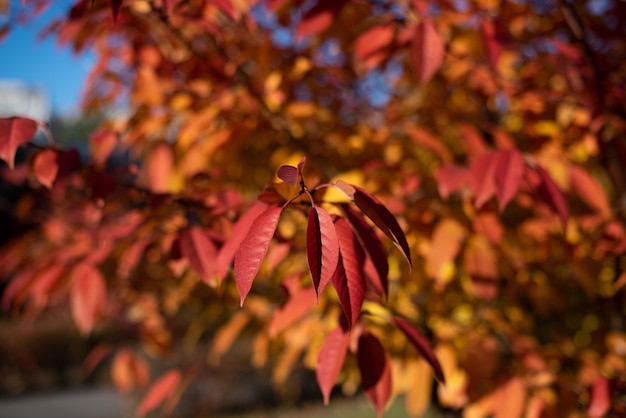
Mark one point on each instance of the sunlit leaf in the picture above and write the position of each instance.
(322, 247)
(13, 133)
(508, 172)
(45, 167)
(253, 248)
(159, 392)
(330, 360)
(296, 307)
(600, 398)
(348, 279)
(227, 251)
(428, 50)
(88, 296)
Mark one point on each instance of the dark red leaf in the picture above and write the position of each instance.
(159, 392)
(428, 50)
(13, 133)
(482, 179)
(320, 17)
(492, 43)
(375, 371)
(348, 279)
(288, 174)
(253, 249)
(322, 248)
(383, 219)
(115, 7)
(552, 195)
(508, 174)
(295, 308)
(201, 252)
(330, 360)
(88, 296)
(600, 398)
(227, 251)
(45, 167)
(422, 345)
(372, 246)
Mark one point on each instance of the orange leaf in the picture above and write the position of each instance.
(45, 167)
(590, 190)
(88, 296)
(201, 252)
(296, 307)
(159, 392)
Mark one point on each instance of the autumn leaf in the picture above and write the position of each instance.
(422, 345)
(348, 279)
(288, 174)
(227, 251)
(319, 17)
(375, 370)
(159, 392)
(115, 7)
(201, 252)
(383, 219)
(550, 192)
(451, 178)
(253, 248)
(508, 172)
(330, 360)
(88, 296)
(428, 51)
(371, 45)
(590, 190)
(129, 371)
(322, 247)
(482, 178)
(600, 398)
(492, 44)
(372, 245)
(13, 133)
(45, 167)
(296, 307)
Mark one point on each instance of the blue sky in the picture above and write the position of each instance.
(43, 63)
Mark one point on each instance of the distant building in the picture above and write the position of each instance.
(19, 99)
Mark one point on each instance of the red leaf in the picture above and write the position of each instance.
(45, 167)
(102, 143)
(451, 178)
(600, 398)
(372, 246)
(508, 174)
(88, 296)
(590, 190)
(428, 50)
(473, 141)
(348, 279)
(491, 41)
(43, 284)
(375, 371)
(115, 7)
(253, 249)
(383, 219)
(322, 248)
(330, 360)
(227, 251)
(552, 195)
(320, 17)
(201, 252)
(422, 345)
(159, 392)
(482, 179)
(371, 45)
(427, 140)
(295, 308)
(13, 133)
(288, 174)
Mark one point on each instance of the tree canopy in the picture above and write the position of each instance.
(375, 189)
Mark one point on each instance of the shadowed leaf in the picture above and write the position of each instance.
(322, 247)
(552, 195)
(45, 167)
(508, 174)
(422, 345)
(375, 370)
(428, 50)
(383, 219)
(201, 252)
